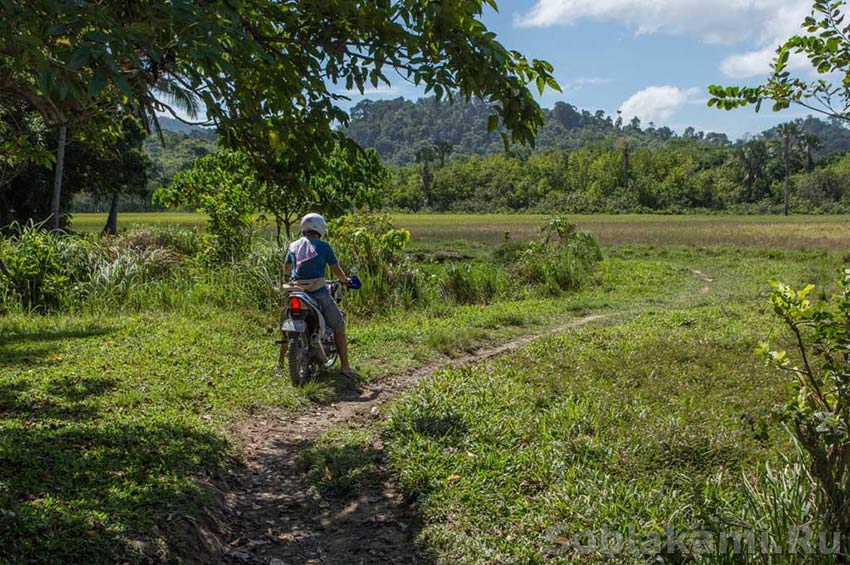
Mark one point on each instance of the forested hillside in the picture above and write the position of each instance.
(398, 129)
(584, 162)
(591, 162)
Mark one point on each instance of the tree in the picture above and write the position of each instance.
(826, 44)
(425, 156)
(228, 187)
(753, 156)
(443, 149)
(788, 133)
(109, 167)
(348, 179)
(261, 70)
(224, 187)
(21, 144)
(810, 143)
(625, 147)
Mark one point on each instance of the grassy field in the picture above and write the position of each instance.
(642, 425)
(113, 425)
(478, 231)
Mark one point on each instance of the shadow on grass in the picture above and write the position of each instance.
(82, 486)
(331, 386)
(443, 425)
(67, 401)
(33, 347)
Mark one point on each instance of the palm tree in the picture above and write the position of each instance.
(443, 150)
(625, 146)
(425, 156)
(789, 133)
(753, 155)
(810, 143)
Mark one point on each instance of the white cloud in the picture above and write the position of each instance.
(591, 81)
(749, 64)
(712, 21)
(766, 23)
(656, 103)
(579, 83)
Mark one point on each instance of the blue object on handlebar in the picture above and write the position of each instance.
(355, 283)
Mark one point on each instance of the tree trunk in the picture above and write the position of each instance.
(787, 174)
(626, 165)
(6, 216)
(111, 227)
(58, 171)
(277, 229)
(5, 220)
(426, 183)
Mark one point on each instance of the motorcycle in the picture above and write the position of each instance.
(307, 343)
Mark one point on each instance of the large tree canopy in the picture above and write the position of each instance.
(259, 65)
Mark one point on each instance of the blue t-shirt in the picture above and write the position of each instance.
(315, 267)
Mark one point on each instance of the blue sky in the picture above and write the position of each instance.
(651, 58)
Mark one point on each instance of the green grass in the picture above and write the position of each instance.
(642, 421)
(111, 424)
(110, 427)
(93, 222)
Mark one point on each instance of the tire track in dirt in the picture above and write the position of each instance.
(274, 516)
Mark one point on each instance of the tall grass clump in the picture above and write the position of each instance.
(775, 519)
(473, 283)
(43, 270)
(562, 260)
(148, 268)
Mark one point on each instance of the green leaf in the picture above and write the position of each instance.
(123, 84)
(97, 83)
(492, 123)
(80, 58)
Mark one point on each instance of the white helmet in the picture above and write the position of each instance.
(314, 222)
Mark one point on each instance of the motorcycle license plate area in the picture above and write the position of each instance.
(294, 326)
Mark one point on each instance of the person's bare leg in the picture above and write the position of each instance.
(342, 348)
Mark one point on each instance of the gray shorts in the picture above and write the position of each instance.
(333, 315)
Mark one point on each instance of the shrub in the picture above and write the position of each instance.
(819, 411)
(370, 241)
(185, 241)
(562, 260)
(377, 247)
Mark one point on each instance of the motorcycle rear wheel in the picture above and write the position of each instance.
(331, 352)
(298, 360)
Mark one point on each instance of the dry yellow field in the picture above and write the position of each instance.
(794, 232)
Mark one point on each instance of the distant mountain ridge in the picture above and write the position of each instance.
(171, 124)
(399, 128)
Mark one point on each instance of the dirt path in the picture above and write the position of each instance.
(275, 517)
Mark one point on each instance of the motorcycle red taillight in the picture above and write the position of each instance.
(294, 306)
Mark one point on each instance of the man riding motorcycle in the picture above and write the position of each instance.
(306, 262)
